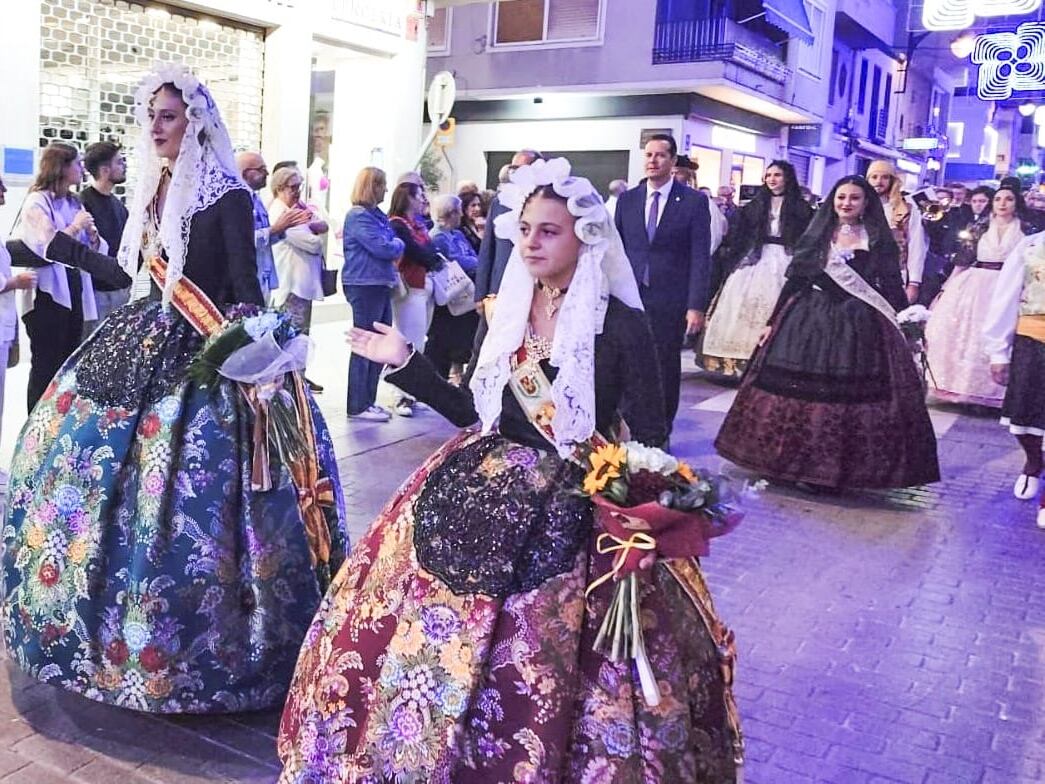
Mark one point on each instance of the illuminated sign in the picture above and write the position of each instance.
(1010, 62)
(908, 166)
(921, 143)
(960, 14)
(731, 139)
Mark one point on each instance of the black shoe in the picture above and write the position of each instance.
(313, 386)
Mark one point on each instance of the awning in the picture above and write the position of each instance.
(790, 16)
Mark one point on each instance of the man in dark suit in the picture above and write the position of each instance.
(666, 228)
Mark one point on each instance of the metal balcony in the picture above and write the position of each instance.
(709, 40)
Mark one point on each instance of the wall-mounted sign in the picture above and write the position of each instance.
(1010, 62)
(385, 15)
(960, 14)
(18, 161)
(647, 133)
(920, 143)
(804, 135)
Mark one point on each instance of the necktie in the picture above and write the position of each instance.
(651, 221)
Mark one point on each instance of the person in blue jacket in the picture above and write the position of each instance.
(368, 278)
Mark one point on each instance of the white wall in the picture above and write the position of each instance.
(19, 120)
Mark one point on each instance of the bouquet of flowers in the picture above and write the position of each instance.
(912, 321)
(649, 506)
(258, 348)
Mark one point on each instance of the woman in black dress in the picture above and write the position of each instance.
(832, 397)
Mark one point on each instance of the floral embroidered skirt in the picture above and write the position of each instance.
(741, 312)
(139, 567)
(961, 366)
(456, 645)
(833, 399)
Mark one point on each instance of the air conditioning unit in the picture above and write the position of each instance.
(879, 126)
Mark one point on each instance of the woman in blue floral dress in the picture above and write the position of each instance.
(148, 562)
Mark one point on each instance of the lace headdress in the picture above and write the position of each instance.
(603, 270)
(204, 171)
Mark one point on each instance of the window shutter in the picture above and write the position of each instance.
(520, 21)
(438, 30)
(572, 19)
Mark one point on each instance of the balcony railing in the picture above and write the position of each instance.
(704, 40)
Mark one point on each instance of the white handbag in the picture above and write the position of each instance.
(451, 285)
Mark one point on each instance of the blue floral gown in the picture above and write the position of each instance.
(139, 567)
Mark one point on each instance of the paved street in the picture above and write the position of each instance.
(884, 637)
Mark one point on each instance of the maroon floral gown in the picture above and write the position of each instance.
(456, 643)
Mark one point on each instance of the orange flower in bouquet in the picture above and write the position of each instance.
(649, 506)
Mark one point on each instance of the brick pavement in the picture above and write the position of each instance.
(884, 637)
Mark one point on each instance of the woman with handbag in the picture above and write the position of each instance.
(412, 313)
(63, 298)
(451, 335)
(368, 278)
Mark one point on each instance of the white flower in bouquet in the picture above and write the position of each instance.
(648, 458)
(914, 314)
(261, 325)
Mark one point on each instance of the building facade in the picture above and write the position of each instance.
(592, 78)
(331, 84)
(821, 83)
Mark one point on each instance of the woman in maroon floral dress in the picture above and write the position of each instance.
(456, 643)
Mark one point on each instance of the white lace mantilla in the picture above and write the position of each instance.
(603, 270)
(204, 171)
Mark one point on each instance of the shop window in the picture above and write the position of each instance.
(439, 31)
(810, 56)
(93, 53)
(546, 21)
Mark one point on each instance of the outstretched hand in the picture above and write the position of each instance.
(386, 346)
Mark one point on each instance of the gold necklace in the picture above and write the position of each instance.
(552, 294)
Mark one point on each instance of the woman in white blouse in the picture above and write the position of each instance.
(9, 282)
(957, 355)
(299, 258)
(64, 297)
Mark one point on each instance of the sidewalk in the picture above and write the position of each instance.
(883, 636)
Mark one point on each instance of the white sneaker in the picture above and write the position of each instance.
(1041, 518)
(372, 414)
(405, 408)
(1026, 487)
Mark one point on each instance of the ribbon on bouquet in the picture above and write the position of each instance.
(631, 549)
(260, 369)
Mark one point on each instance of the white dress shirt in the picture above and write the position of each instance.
(664, 191)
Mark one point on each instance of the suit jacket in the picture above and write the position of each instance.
(678, 258)
(493, 255)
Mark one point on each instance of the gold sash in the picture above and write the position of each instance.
(1032, 327)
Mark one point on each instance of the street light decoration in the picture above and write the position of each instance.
(960, 14)
(1010, 62)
